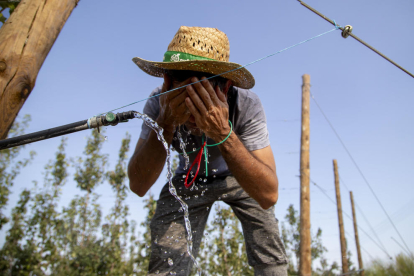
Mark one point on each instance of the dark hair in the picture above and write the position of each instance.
(182, 75)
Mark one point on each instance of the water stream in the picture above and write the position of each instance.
(159, 130)
(182, 147)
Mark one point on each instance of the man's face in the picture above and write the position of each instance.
(179, 79)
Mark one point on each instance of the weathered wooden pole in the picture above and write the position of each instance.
(25, 40)
(340, 219)
(305, 261)
(361, 266)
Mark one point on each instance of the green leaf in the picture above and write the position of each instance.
(2, 18)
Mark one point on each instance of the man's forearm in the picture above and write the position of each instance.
(147, 163)
(256, 178)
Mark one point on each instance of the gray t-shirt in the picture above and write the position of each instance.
(247, 115)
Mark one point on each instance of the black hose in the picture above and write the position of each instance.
(95, 122)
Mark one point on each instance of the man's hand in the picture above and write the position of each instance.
(211, 112)
(173, 110)
(209, 108)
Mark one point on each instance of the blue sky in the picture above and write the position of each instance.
(367, 99)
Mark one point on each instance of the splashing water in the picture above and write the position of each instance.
(182, 147)
(159, 130)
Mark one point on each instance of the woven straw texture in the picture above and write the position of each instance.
(205, 42)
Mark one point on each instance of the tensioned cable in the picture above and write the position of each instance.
(408, 253)
(366, 220)
(398, 215)
(359, 227)
(359, 170)
(348, 33)
(349, 217)
(370, 226)
(260, 59)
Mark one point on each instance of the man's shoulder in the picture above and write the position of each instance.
(245, 97)
(156, 91)
(154, 100)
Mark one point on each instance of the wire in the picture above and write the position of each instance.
(372, 229)
(366, 220)
(401, 246)
(359, 170)
(359, 227)
(354, 36)
(260, 59)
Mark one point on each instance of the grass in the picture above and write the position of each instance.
(402, 265)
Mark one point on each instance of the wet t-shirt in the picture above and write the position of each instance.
(247, 116)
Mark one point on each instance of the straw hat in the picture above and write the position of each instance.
(202, 50)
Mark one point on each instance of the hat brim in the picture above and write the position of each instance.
(240, 77)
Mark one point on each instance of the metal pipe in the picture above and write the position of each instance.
(94, 122)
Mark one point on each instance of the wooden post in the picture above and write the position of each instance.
(361, 266)
(305, 261)
(25, 40)
(340, 219)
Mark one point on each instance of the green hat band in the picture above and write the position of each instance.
(173, 56)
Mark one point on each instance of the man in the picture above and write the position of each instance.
(241, 169)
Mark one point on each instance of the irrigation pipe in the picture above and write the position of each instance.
(110, 119)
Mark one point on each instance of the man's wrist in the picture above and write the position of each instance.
(225, 133)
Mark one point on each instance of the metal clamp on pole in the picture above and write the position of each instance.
(94, 122)
(346, 31)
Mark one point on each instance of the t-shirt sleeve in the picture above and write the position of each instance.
(252, 125)
(152, 109)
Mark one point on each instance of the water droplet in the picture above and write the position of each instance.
(194, 149)
(205, 179)
(156, 241)
(184, 176)
(106, 138)
(208, 208)
(196, 196)
(224, 195)
(170, 262)
(214, 176)
(173, 273)
(180, 210)
(200, 179)
(214, 170)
